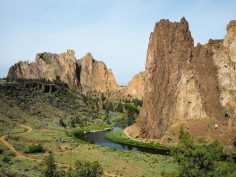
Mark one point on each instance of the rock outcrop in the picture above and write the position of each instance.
(48, 66)
(86, 73)
(186, 84)
(94, 75)
(136, 85)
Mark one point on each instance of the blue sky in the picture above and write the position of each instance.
(115, 31)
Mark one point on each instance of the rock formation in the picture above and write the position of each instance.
(186, 84)
(95, 75)
(48, 66)
(85, 73)
(136, 85)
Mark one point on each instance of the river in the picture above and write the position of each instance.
(98, 138)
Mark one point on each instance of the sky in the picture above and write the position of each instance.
(114, 31)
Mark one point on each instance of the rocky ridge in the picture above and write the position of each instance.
(136, 85)
(48, 66)
(186, 84)
(94, 75)
(86, 73)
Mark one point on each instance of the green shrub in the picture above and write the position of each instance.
(119, 107)
(50, 166)
(62, 123)
(82, 169)
(181, 132)
(36, 148)
(200, 159)
(88, 169)
(1, 150)
(6, 159)
(138, 102)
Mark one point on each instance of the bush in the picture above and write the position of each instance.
(119, 107)
(50, 166)
(6, 159)
(62, 123)
(200, 159)
(36, 148)
(181, 132)
(91, 169)
(138, 102)
(82, 169)
(1, 150)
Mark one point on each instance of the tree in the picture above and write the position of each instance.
(119, 107)
(108, 108)
(181, 132)
(103, 98)
(73, 123)
(199, 160)
(50, 166)
(62, 123)
(132, 113)
(88, 169)
(138, 102)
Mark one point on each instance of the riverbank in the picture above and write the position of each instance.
(120, 137)
(76, 132)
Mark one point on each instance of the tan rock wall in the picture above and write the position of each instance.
(136, 85)
(186, 83)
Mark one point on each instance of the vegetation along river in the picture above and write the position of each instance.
(98, 138)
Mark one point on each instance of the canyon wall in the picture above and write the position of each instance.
(136, 85)
(186, 84)
(94, 75)
(86, 73)
(48, 66)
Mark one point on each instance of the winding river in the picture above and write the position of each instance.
(99, 139)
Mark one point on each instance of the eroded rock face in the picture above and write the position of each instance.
(48, 66)
(186, 83)
(136, 85)
(94, 75)
(85, 73)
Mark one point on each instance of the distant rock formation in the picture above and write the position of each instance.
(186, 84)
(94, 75)
(48, 66)
(86, 73)
(136, 85)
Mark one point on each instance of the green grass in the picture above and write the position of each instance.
(23, 167)
(120, 137)
(90, 128)
(42, 112)
(122, 163)
(14, 130)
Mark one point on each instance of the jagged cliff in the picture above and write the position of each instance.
(48, 66)
(136, 85)
(94, 75)
(86, 73)
(195, 86)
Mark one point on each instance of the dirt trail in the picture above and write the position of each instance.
(10, 147)
(19, 154)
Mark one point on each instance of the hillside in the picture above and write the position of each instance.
(32, 112)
